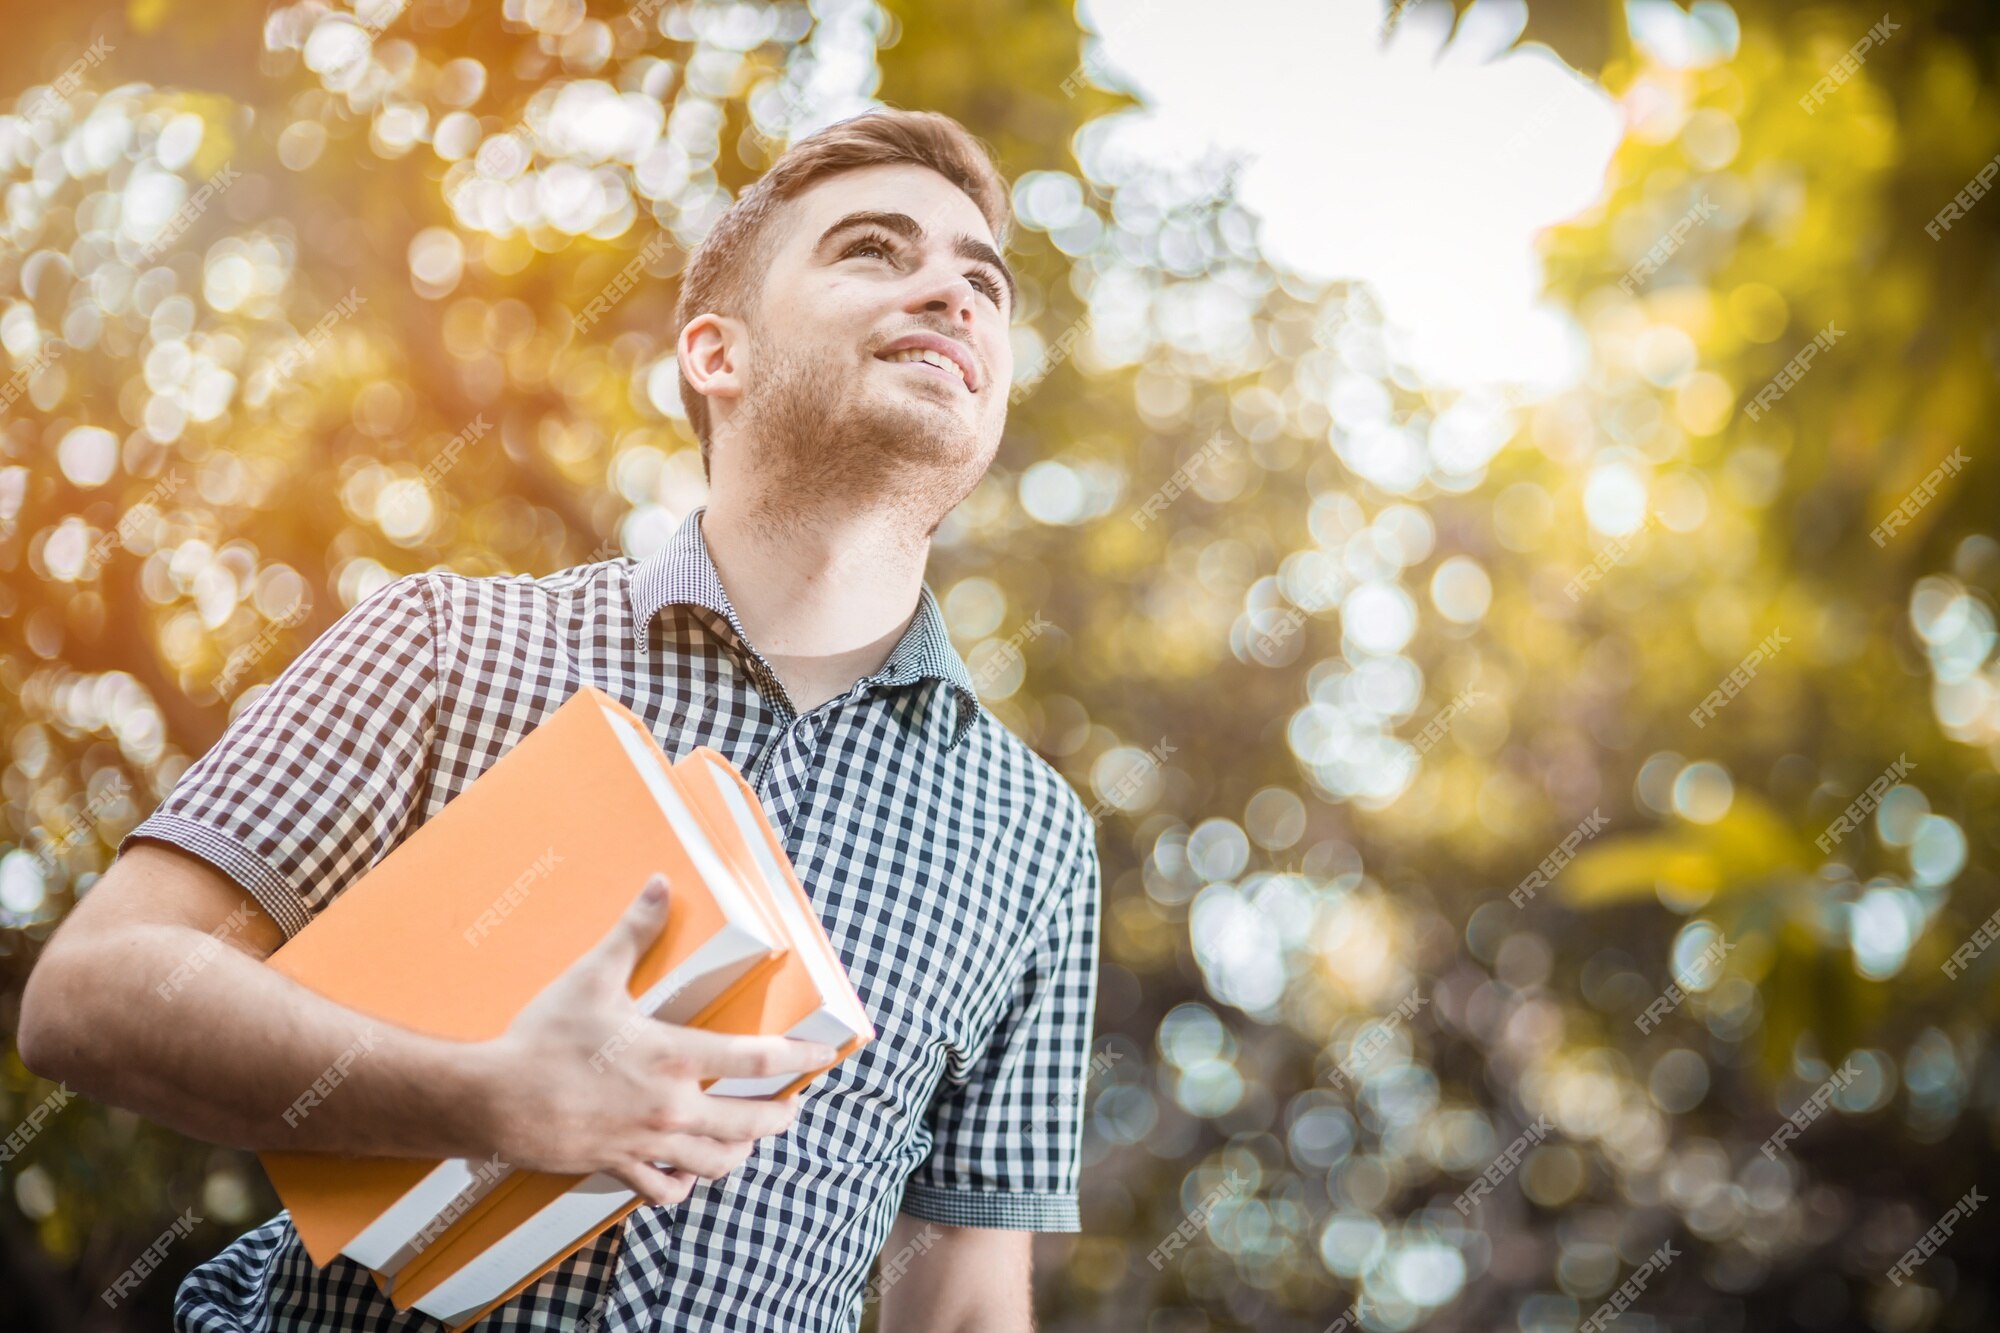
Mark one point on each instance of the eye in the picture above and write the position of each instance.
(878, 243)
(882, 245)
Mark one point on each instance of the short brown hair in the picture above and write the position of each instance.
(725, 274)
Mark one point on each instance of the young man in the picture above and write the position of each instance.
(845, 364)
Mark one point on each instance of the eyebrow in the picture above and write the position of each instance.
(965, 247)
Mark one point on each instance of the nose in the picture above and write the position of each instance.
(947, 293)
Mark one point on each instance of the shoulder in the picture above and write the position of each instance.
(1036, 791)
(510, 602)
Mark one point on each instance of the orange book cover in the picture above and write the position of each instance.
(446, 1258)
(464, 922)
(809, 983)
(809, 997)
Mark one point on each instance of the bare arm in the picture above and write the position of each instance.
(957, 1279)
(224, 1049)
(223, 1052)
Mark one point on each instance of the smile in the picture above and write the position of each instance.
(931, 361)
(932, 354)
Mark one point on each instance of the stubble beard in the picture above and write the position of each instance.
(818, 446)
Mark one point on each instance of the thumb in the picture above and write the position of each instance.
(634, 933)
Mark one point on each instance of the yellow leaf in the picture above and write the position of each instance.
(1747, 846)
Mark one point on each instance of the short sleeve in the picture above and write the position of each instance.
(321, 775)
(1007, 1144)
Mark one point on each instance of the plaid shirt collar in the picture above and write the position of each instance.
(683, 573)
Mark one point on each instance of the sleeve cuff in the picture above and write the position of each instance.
(995, 1209)
(254, 874)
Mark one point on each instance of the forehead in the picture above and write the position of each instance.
(940, 207)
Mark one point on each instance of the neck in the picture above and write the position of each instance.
(824, 592)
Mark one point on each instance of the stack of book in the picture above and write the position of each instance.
(477, 911)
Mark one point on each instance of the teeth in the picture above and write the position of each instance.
(928, 357)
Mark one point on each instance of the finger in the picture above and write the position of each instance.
(634, 932)
(675, 1173)
(654, 1185)
(698, 1155)
(696, 1053)
(734, 1118)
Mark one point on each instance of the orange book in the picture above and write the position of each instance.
(535, 1220)
(472, 915)
(808, 997)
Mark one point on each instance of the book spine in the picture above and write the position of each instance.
(543, 1271)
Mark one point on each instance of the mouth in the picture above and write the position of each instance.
(930, 354)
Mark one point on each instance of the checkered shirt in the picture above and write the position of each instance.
(955, 871)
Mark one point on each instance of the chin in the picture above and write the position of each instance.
(920, 430)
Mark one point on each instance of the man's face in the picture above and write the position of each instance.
(878, 275)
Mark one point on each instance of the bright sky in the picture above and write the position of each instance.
(1423, 168)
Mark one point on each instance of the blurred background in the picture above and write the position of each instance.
(1496, 519)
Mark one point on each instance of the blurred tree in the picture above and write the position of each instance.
(1316, 636)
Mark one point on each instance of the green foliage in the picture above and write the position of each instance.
(1285, 867)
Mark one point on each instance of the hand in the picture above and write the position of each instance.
(584, 1081)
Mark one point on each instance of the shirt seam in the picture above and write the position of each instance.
(1074, 880)
(975, 1193)
(1039, 1210)
(286, 903)
(432, 620)
(281, 899)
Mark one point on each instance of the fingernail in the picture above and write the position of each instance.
(656, 888)
(821, 1055)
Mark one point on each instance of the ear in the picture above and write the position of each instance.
(711, 351)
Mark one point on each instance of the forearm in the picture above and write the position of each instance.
(945, 1279)
(241, 1055)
